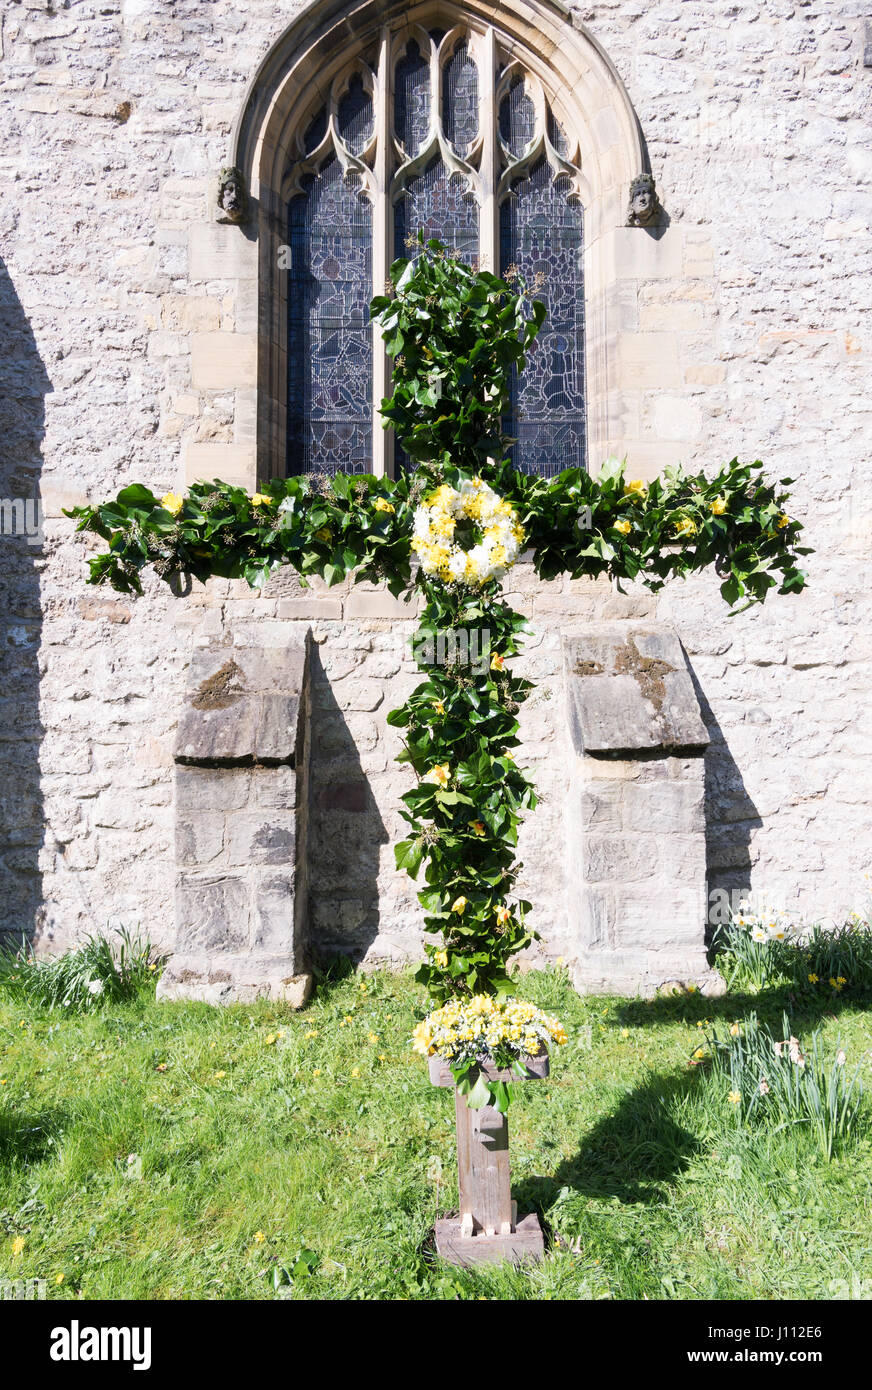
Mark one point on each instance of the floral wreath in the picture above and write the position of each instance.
(472, 513)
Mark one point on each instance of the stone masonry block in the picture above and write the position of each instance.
(213, 912)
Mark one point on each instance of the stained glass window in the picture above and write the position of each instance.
(329, 338)
(481, 162)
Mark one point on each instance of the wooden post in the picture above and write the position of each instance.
(483, 1170)
(487, 1227)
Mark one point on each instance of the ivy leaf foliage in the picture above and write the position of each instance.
(460, 731)
(457, 335)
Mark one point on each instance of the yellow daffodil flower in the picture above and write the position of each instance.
(718, 506)
(172, 503)
(459, 905)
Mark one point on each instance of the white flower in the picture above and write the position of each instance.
(95, 986)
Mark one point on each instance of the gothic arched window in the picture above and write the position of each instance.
(446, 132)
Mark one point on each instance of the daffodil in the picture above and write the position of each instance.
(718, 506)
(635, 489)
(459, 905)
(623, 526)
(478, 826)
(497, 662)
(381, 504)
(734, 1097)
(261, 499)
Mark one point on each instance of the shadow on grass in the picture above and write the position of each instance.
(28, 1138)
(805, 1009)
(630, 1154)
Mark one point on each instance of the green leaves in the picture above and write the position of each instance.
(479, 1091)
(461, 717)
(457, 335)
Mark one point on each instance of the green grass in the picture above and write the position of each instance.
(631, 1155)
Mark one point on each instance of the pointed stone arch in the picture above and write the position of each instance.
(584, 91)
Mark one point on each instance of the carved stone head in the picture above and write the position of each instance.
(645, 207)
(231, 194)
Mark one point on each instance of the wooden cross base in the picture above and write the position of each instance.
(525, 1244)
(487, 1227)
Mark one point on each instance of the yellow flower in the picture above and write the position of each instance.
(172, 503)
(439, 706)
(381, 504)
(623, 526)
(718, 506)
(441, 959)
(373, 1037)
(18, 1245)
(325, 535)
(355, 1071)
(497, 662)
(219, 1075)
(734, 1030)
(685, 527)
(317, 1071)
(310, 1033)
(836, 984)
(439, 774)
(635, 489)
(459, 905)
(625, 1032)
(478, 826)
(261, 499)
(813, 979)
(783, 520)
(259, 1237)
(734, 1097)
(59, 1278)
(270, 1039)
(502, 914)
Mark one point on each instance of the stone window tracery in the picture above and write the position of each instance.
(446, 131)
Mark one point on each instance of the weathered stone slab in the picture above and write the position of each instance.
(629, 688)
(635, 811)
(242, 706)
(242, 787)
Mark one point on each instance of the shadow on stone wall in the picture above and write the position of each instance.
(730, 814)
(24, 383)
(345, 832)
